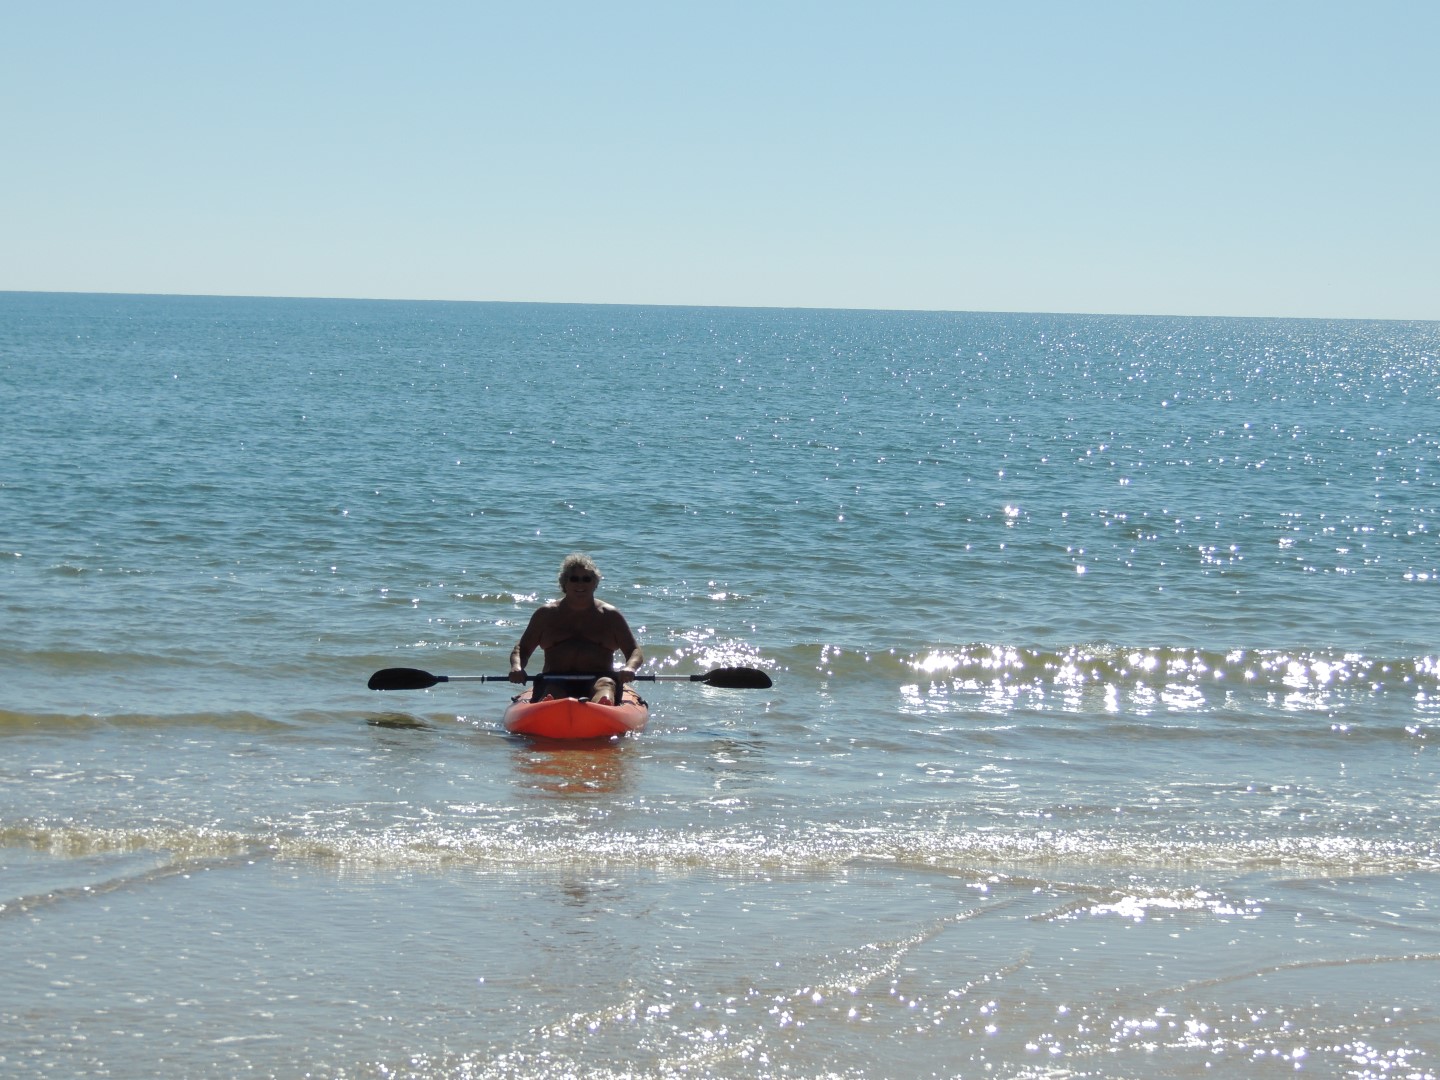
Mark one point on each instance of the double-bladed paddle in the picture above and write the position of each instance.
(404, 678)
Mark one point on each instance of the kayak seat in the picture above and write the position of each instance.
(558, 688)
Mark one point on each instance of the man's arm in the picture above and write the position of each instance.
(525, 647)
(629, 647)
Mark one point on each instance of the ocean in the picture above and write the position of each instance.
(1101, 741)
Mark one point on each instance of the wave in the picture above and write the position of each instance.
(1018, 856)
(700, 648)
(85, 661)
(1116, 681)
(176, 850)
(1084, 666)
(19, 723)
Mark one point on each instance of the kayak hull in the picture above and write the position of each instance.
(571, 718)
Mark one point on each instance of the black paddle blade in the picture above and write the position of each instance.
(735, 678)
(403, 678)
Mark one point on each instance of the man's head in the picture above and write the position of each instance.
(578, 566)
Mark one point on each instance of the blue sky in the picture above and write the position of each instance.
(1165, 158)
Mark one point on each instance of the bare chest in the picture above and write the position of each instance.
(565, 625)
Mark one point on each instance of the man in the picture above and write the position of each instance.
(579, 635)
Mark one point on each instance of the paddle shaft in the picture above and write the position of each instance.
(572, 678)
(414, 679)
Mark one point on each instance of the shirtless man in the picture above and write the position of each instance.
(579, 635)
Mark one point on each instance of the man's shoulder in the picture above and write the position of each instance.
(610, 612)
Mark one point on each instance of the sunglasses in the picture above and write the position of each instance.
(582, 577)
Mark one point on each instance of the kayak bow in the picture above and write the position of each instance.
(572, 718)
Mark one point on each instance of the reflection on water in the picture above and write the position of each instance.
(399, 721)
(557, 770)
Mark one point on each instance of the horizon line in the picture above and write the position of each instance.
(702, 307)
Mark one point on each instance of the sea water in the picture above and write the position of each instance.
(1101, 741)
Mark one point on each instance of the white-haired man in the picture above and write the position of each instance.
(579, 635)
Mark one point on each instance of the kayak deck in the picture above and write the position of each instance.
(571, 718)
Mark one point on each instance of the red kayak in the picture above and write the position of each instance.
(571, 718)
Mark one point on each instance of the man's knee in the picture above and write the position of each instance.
(606, 692)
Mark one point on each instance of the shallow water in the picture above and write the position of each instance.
(1101, 739)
